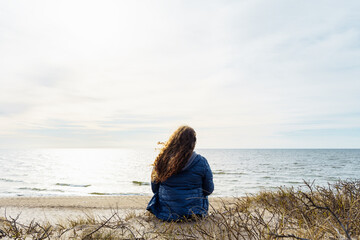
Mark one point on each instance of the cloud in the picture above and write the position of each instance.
(244, 73)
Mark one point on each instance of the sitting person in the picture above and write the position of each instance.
(181, 179)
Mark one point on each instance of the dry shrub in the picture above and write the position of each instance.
(310, 212)
(314, 212)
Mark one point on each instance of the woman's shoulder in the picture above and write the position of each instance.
(200, 157)
(197, 161)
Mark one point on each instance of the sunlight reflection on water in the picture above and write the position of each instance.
(127, 171)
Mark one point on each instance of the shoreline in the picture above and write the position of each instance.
(56, 208)
(95, 202)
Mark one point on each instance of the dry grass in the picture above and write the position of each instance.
(311, 212)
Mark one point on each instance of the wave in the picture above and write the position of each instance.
(9, 180)
(40, 189)
(72, 185)
(140, 183)
(104, 194)
(221, 172)
(115, 194)
(33, 189)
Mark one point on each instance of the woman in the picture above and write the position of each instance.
(181, 179)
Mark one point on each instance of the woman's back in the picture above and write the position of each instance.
(185, 193)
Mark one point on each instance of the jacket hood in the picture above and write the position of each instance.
(190, 161)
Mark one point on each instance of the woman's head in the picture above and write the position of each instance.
(183, 138)
(175, 154)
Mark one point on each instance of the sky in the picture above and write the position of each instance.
(118, 74)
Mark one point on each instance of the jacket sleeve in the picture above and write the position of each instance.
(208, 184)
(155, 187)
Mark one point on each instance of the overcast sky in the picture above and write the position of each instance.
(243, 74)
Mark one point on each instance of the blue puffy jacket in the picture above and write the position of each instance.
(185, 193)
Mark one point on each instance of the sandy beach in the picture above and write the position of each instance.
(53, 209)
(265, 215)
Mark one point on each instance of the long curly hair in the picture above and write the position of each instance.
(175, 154)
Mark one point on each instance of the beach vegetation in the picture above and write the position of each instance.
(309, 212)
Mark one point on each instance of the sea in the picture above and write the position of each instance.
(236, 172)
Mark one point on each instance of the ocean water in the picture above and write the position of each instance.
(81, 172)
